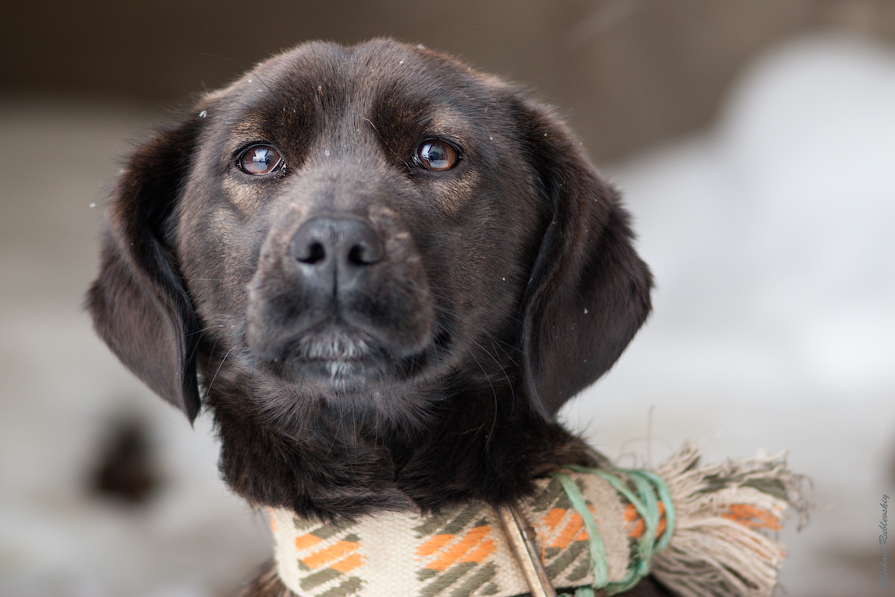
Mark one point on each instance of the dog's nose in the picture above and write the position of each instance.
(335, 250)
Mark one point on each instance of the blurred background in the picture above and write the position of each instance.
(755, 143)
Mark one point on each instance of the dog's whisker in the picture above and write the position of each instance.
(497, 343)
(202, 331)
(493, 393)
(505, 375)
(218, 370)
(385, 141)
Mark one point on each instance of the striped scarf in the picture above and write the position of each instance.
(701, 531)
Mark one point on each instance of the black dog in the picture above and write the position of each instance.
(385, 271)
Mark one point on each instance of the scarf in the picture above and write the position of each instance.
(702, 531)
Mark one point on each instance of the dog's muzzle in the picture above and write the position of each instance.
(339, 296)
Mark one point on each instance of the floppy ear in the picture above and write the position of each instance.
(589, 292)
(138, 304)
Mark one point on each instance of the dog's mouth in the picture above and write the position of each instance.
(340, 355)
(336, 346)
(337, 355)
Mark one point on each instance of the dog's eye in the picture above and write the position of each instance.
(259, 160)
(437, 155)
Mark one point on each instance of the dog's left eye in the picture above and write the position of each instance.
(258, 160)
(437, 155)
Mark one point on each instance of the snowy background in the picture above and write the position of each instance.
(773, 329)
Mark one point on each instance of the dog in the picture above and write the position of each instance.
(381, 272)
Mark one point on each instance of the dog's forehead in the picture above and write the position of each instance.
(379, 65)
(324, 77)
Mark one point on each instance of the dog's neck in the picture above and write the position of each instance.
(340, 473)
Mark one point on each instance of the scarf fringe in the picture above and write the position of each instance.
(719, 546)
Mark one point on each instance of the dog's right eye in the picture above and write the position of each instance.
(259, 160)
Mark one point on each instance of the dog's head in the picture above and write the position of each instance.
(368, 234)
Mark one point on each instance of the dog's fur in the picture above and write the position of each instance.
(423, 367)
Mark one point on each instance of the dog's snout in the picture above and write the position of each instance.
(335, 249)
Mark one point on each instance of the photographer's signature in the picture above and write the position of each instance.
(884, 543)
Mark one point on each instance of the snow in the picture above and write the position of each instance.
(773, 328)
(774, 314)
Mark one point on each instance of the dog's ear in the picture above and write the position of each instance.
(138, 303)
(588, 292)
